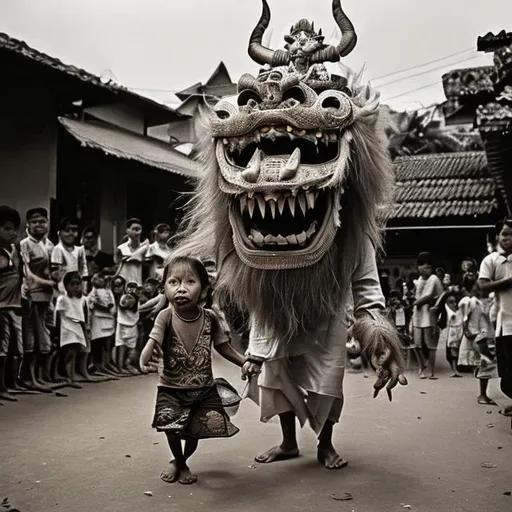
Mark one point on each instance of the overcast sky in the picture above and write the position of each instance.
(161, 46)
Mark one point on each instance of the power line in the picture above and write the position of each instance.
(412, 90)
(435, 61)
(430, 70)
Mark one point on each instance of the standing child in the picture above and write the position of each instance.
(190, 402)
(11, 274)
(71, 322)
(496, 276)
(66, 256)
(131, 255)
(428, 289)
(451, 330)
(159, 252)
(476, 326)
(102, 309)
(127, 330)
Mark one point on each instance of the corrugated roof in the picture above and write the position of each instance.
(131, 146)
(14, 45)
(442, 185)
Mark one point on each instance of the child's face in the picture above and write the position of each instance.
(163, 237)
(98, 282)
(89, 239)
(425, 270)
(38, 226)
(134, 232)
(182, 287)
(149, 289)
(395, 302)
(451, 302)
(132, 289)
(8, 234)
(117, 287)
(505, 238)
(69, 235)
(74, 287)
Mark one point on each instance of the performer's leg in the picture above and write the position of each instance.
(288, 449)
(326, 453)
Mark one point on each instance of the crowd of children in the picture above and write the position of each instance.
(71, 313)
(472, 320)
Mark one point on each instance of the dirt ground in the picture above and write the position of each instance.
(95, 450)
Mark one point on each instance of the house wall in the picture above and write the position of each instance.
(122, 115)
(28, 147)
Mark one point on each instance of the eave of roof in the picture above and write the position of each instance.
(442, 185)
(130, 146)
(22, 49)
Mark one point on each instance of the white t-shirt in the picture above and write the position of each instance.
(494, 267)
(132, 260)
(72, 318)
(421, 316)
(69, 260)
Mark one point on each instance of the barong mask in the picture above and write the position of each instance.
(296, 169)
(284, 150)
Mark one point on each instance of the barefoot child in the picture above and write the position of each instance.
(451, 330)
(190, 402)
(127, 328)
(71, 322)
(474, 350)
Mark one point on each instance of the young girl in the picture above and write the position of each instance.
(476, 327)
(71, 323)
(127, 329)
(451, 330)
(102, 311)
(190, 402)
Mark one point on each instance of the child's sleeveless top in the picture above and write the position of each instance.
(182, 369)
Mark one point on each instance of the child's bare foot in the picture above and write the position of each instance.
(186, 477)
(330, 458)
(171, 473)
(5, 395)
(423, 375)
(433, 377)
(485, 400)
(456, 375)
(507, 411)
(277, 453)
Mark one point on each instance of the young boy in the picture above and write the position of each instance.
(36, 250)
(66, 256)
(11, 272)
(131, 255)
(159, 252)
(428, 289)
(496, 276)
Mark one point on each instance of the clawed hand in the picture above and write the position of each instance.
(388, 371)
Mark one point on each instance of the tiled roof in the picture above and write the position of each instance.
(442, 185)
(131, 146)
(21, 48)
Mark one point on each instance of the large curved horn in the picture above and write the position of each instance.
(348, 37)
(259, 53)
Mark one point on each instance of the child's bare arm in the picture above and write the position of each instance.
(487, 286)
(146, 354)
(230, 354)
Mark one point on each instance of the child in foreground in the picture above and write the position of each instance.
(190, 402)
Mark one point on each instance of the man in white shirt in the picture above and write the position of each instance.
(496, 276)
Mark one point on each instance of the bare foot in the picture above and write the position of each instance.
(186, 477)
(170, 473)
(433, 377)
(330, 458)
(456, 376)
(423, 375)
(507, 411)
(485, 400)
(5, 395)
(276, 453)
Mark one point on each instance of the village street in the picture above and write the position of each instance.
(95, 450)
